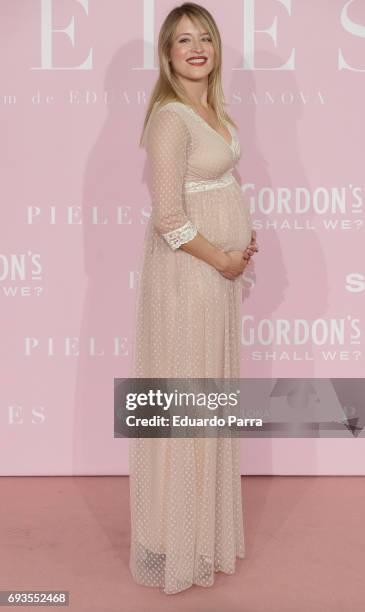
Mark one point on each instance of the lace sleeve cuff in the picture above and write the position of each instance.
(179, 236)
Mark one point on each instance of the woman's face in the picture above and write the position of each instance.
(191, 41)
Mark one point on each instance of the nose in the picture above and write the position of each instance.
(196, 46)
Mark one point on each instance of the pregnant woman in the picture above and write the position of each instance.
(185, 493)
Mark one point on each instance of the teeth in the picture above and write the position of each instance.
(200, 61)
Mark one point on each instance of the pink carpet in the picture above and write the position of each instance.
(305, 539)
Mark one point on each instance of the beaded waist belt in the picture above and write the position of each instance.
(203, 185)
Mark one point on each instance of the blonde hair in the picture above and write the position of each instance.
(168, 87)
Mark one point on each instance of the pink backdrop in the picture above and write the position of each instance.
(75, 78)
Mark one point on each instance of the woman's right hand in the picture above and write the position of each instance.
(232, 263)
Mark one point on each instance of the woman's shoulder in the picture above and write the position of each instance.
(172, 105)
(170, 116)
(173, 111)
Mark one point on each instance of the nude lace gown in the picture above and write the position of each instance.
(185, 493)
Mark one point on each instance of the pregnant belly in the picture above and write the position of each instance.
(222, 216)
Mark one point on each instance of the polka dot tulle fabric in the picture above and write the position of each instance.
(185, 493)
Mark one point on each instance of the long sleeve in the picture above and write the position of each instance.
(167, 155)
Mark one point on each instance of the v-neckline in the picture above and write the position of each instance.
(204, 122)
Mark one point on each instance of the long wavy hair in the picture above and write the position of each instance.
(168, 87)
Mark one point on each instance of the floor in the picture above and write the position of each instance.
(305, 539)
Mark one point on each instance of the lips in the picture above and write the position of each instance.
(197, 60)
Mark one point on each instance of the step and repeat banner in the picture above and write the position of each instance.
(76, 76)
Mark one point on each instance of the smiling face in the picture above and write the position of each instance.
(190, 41)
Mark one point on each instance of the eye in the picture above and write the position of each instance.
(208, 38)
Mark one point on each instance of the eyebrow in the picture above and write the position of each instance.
(189, 34)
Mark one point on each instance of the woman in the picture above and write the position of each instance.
(186, 510)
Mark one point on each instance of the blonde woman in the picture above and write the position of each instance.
(186, 509)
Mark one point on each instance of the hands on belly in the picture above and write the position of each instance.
(236, 261)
